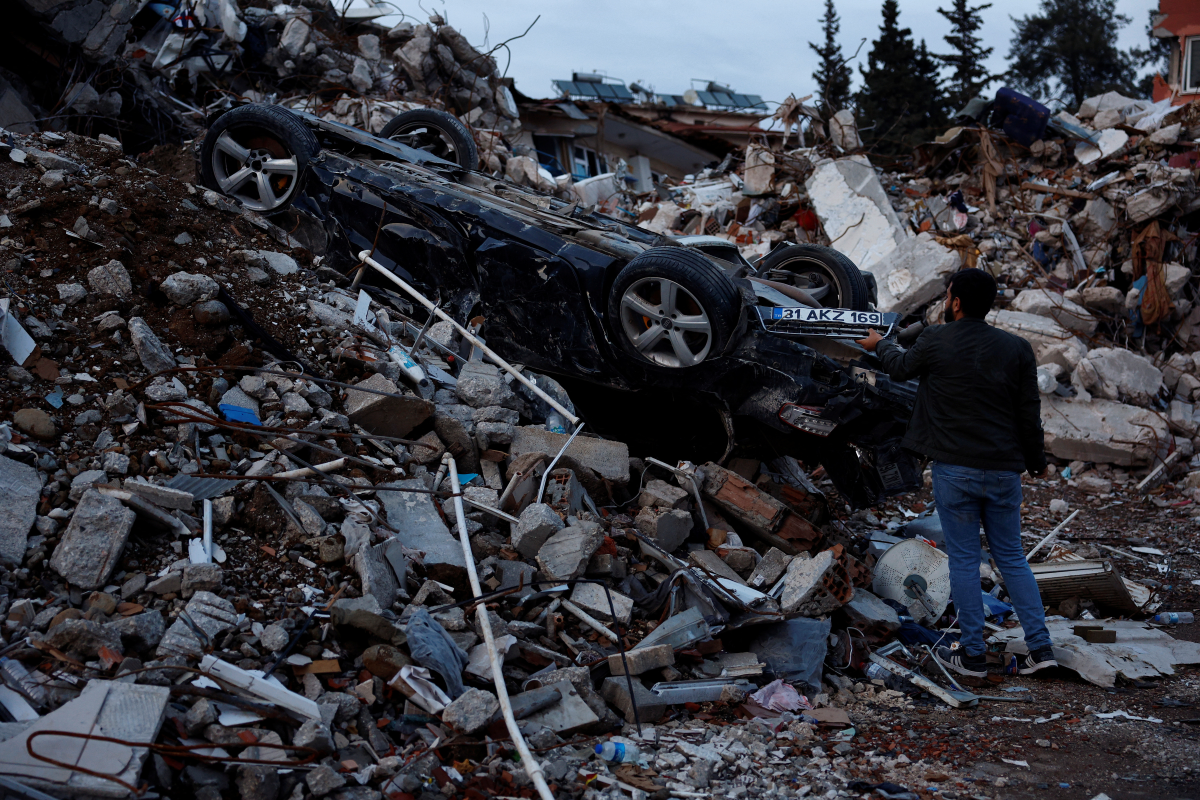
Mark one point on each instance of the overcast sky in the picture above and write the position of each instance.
(755, 46)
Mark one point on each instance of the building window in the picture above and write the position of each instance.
(586, 163)
(1191, 66)
(549, 152)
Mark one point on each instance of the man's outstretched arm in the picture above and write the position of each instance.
(899, 363)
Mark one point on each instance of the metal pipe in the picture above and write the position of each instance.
(533, 768)
(208, 526)
(304, 472)
(545, 475)
(365, 257)
(589, 620)
(1051, 535)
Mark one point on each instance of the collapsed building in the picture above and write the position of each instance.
(248, 553)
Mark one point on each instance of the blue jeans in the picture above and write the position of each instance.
(965, 498)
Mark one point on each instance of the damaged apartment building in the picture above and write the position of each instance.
(595, 122)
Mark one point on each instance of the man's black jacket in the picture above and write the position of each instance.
(978, 404)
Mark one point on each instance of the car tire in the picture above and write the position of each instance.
(436, 132)
(832, 279)
(661, 291)
(257, 155)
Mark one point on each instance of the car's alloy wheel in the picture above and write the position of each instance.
(665, 323)
(437, 133)
(254, 168)
(825, 274)
(422, 137)
(820, 284)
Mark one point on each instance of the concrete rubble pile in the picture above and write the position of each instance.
(287, 511)
(313, 56)
(232, 535)
(1094, 247)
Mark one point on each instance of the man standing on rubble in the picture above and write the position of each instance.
(978, 416)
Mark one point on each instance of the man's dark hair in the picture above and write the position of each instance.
(975, 289)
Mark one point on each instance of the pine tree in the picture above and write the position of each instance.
(969, 77)
(833, 75)
(901, 100)
(1068, 51)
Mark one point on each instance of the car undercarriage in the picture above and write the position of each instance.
(680, 338)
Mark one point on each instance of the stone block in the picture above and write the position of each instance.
(537, 523)
(769, 570)
(162, 496)
(186, 288)
(420, 527)
(21, 487)
(392, 414)
(83, 636)
(92, 544)
(914, 274)
(607, 458)
(365, 614)
(375, 572)
(1105, 299)
(660, 494)
(1071, 316)
(642, 660)
(711, 563)
(154, 355)
(667, 528)
(855, 211)
(1102, 431)
(111, 278)
(565, 554)
(140, 632)
(1050, 340)
(649, 707)
(201, 578)
(202, 620)
(471, 711)
(1115, 373)
(815, 586)
(593, 599)
(871, 615)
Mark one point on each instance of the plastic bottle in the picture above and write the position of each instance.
(1175, 618)
(617, 753)
(556, 423)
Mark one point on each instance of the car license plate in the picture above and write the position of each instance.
(805, 314)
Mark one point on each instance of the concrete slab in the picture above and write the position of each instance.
(1102, 431)
(609, 459)
(420, 527)
(21, 487)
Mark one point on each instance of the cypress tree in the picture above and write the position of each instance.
(832, 75)
(968, 76)
(901, 100)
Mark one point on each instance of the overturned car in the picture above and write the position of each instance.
(675, 343)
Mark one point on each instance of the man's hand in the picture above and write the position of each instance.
(1041, 473)
(872, 340)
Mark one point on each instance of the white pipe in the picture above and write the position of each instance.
(208, 523)
(589, 620)
(1051, 534)
(545, 475)
(532, 767)
(328, 466)
(365, 257)
(495, 512)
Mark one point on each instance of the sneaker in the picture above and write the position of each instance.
(960, 662)
(1037, 660)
